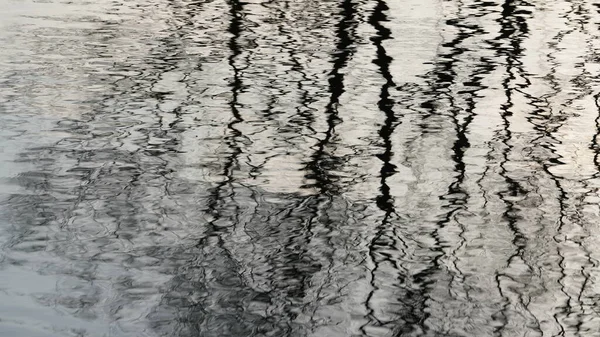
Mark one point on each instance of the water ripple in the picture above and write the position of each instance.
(299, 168)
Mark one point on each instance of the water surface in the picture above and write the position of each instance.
(299, 168)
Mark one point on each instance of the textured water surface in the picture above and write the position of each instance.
(331, 168)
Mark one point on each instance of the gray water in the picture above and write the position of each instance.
(299, 168)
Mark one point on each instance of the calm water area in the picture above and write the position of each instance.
(299, 168)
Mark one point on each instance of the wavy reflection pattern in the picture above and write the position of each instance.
(299, 168)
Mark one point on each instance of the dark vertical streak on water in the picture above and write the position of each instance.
(322, 162)
(595, 143)
(217, 197)
(444, 75)
(232, 139)
(384, 200)
(231, 161)
(384, 234)
(457, 196)
(514, 30)
(298, 265)
(442, 79)
(215, 290)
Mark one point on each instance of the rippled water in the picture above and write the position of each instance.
(299, 168)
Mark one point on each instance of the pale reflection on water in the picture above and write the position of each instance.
(299, 168)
